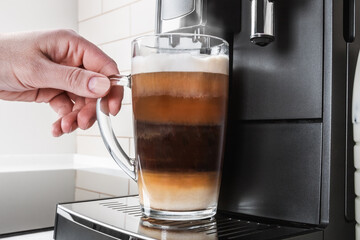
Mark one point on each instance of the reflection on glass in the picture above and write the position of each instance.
(173, 230)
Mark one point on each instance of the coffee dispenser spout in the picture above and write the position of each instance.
(262, 22)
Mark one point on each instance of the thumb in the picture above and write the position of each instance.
(79, 81)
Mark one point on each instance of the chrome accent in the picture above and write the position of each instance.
(185, 15)
(262, 22)
(120, 80)
(62, 212)
(182, 9)
(69, 215)
(127, 164)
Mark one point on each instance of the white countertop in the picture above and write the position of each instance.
(33, 165)
(48, 235)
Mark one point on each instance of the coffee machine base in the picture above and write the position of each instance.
(121, 218)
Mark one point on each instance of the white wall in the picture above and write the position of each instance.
(26, 15)
(112, 24)
(25, 128)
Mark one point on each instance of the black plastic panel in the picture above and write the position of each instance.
(274, 172)
(67, 230)
(349, 157)
(349, 20)
(284, 79)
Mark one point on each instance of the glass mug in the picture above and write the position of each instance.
(179, 88)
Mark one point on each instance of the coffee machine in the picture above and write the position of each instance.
(288, 164)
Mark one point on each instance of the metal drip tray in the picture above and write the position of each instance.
(121, 218)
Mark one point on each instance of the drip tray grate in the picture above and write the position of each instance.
(134, 210)
(119, 217)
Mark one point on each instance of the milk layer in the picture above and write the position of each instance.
(178, 191)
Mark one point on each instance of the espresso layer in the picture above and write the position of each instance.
(178, 191)
(170, 147)
(168, 109)
(180, 84)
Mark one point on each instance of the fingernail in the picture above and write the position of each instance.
(73, 127)
(56, 132)
(90, 123)
(99, 85)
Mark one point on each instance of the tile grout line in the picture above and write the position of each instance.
(92, 191)
(121, 39)
(129, 36)
(106, 12)
(126, 70)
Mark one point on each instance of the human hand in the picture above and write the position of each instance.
(60, 68)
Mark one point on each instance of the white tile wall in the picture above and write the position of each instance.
(93, 145)
(106, 196)
(133, 188)
(81, 195)
(25, 128)
(88, 194)
(93, 131)
(120, 51)
(25, 15)
(122, 125)
(112, 25)
(127, 93)
(89, 8)
(132, 148)
(107, 27)
(123, 122)
(109, 5)
(142, 16)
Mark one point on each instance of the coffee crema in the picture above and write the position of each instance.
(179, 105)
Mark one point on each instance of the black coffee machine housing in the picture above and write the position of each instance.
(288, 164)
(289, 139)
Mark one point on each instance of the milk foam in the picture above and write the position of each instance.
(183, 62)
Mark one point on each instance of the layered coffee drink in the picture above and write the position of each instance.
(179, 105)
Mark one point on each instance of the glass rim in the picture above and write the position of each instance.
(137, 39)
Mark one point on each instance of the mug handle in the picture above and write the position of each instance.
(128, 164)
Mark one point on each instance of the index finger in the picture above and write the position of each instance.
(66, 47)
